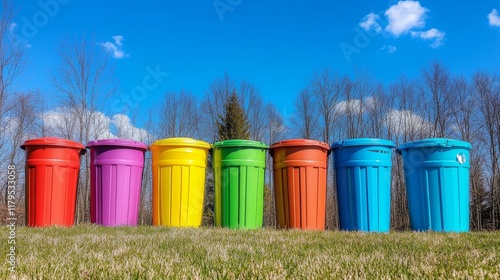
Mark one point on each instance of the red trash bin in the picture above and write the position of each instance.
(299, 172)
(52, 168)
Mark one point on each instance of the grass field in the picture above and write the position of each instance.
(90, 252)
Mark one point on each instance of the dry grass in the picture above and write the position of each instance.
(93, 252)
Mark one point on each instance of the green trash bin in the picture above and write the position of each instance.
(239, 167)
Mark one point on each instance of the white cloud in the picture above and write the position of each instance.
(63, 122)
(126, 130)
(494, 18)
(116, 47)
(408, 17)
(354, 106)
(432, 34)
(369, 22)
(118, 40)
(389, 48)
(404, 16)
(12, 27)
(9, 125)
(406, 122)
(343, 107)
(369, 103)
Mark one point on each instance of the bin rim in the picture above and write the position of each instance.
(54, 142)
(363, 142)
(299, 142)
(435, 142)
(116, 142)
(240, 143)
(180, 142)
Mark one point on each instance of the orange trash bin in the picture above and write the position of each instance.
(300, 176)
(52, 168)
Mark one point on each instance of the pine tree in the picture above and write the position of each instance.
(233, 124)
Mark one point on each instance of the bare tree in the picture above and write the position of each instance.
(404, 122)
(276, 128)
(464, 107)
(12, 59)
(15, 108)
(487, 93)
(351, 110)
(213, 105)
(179, 115)
(436, 87)
(376, 108)
(403, 125)
(146, 203)
(83, 83)
(254, 108)
(326, 88)
(305, 118)
(276, 132)
(19, 125)
(249, 98)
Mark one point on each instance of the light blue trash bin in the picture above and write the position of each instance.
(363, 177)
(437, 184)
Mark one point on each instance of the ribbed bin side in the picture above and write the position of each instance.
(437, 182)
(438, 198)
(115, 194)
(300, 195)
(51, 193)
(178, 194)
(364, 197)
(239, 200)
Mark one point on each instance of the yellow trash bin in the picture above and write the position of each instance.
(179, 166)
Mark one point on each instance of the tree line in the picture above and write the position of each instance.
(332, 106)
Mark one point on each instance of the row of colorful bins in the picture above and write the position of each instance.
(436, 175)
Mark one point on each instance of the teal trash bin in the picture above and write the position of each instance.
(363, 179)
(437, 184)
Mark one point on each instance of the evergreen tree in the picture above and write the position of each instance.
(233, 124)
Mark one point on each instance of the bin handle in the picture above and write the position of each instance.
(446, 145)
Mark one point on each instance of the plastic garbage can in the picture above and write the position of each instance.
(116, 167)
(179, 166)
(300, 180)
(437, 184)
(363, 179)
(51, 179)
(239, 169)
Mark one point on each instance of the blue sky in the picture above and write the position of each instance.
(276, 45)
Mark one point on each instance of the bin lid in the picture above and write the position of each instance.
(240, 143)
(433, 142)
(300, 142)
(118, 143)
(181, 141)
(363, 142)
(53, 141)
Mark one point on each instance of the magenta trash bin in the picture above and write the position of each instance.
(116, 167)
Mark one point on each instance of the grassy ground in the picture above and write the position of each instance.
(90, 252)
